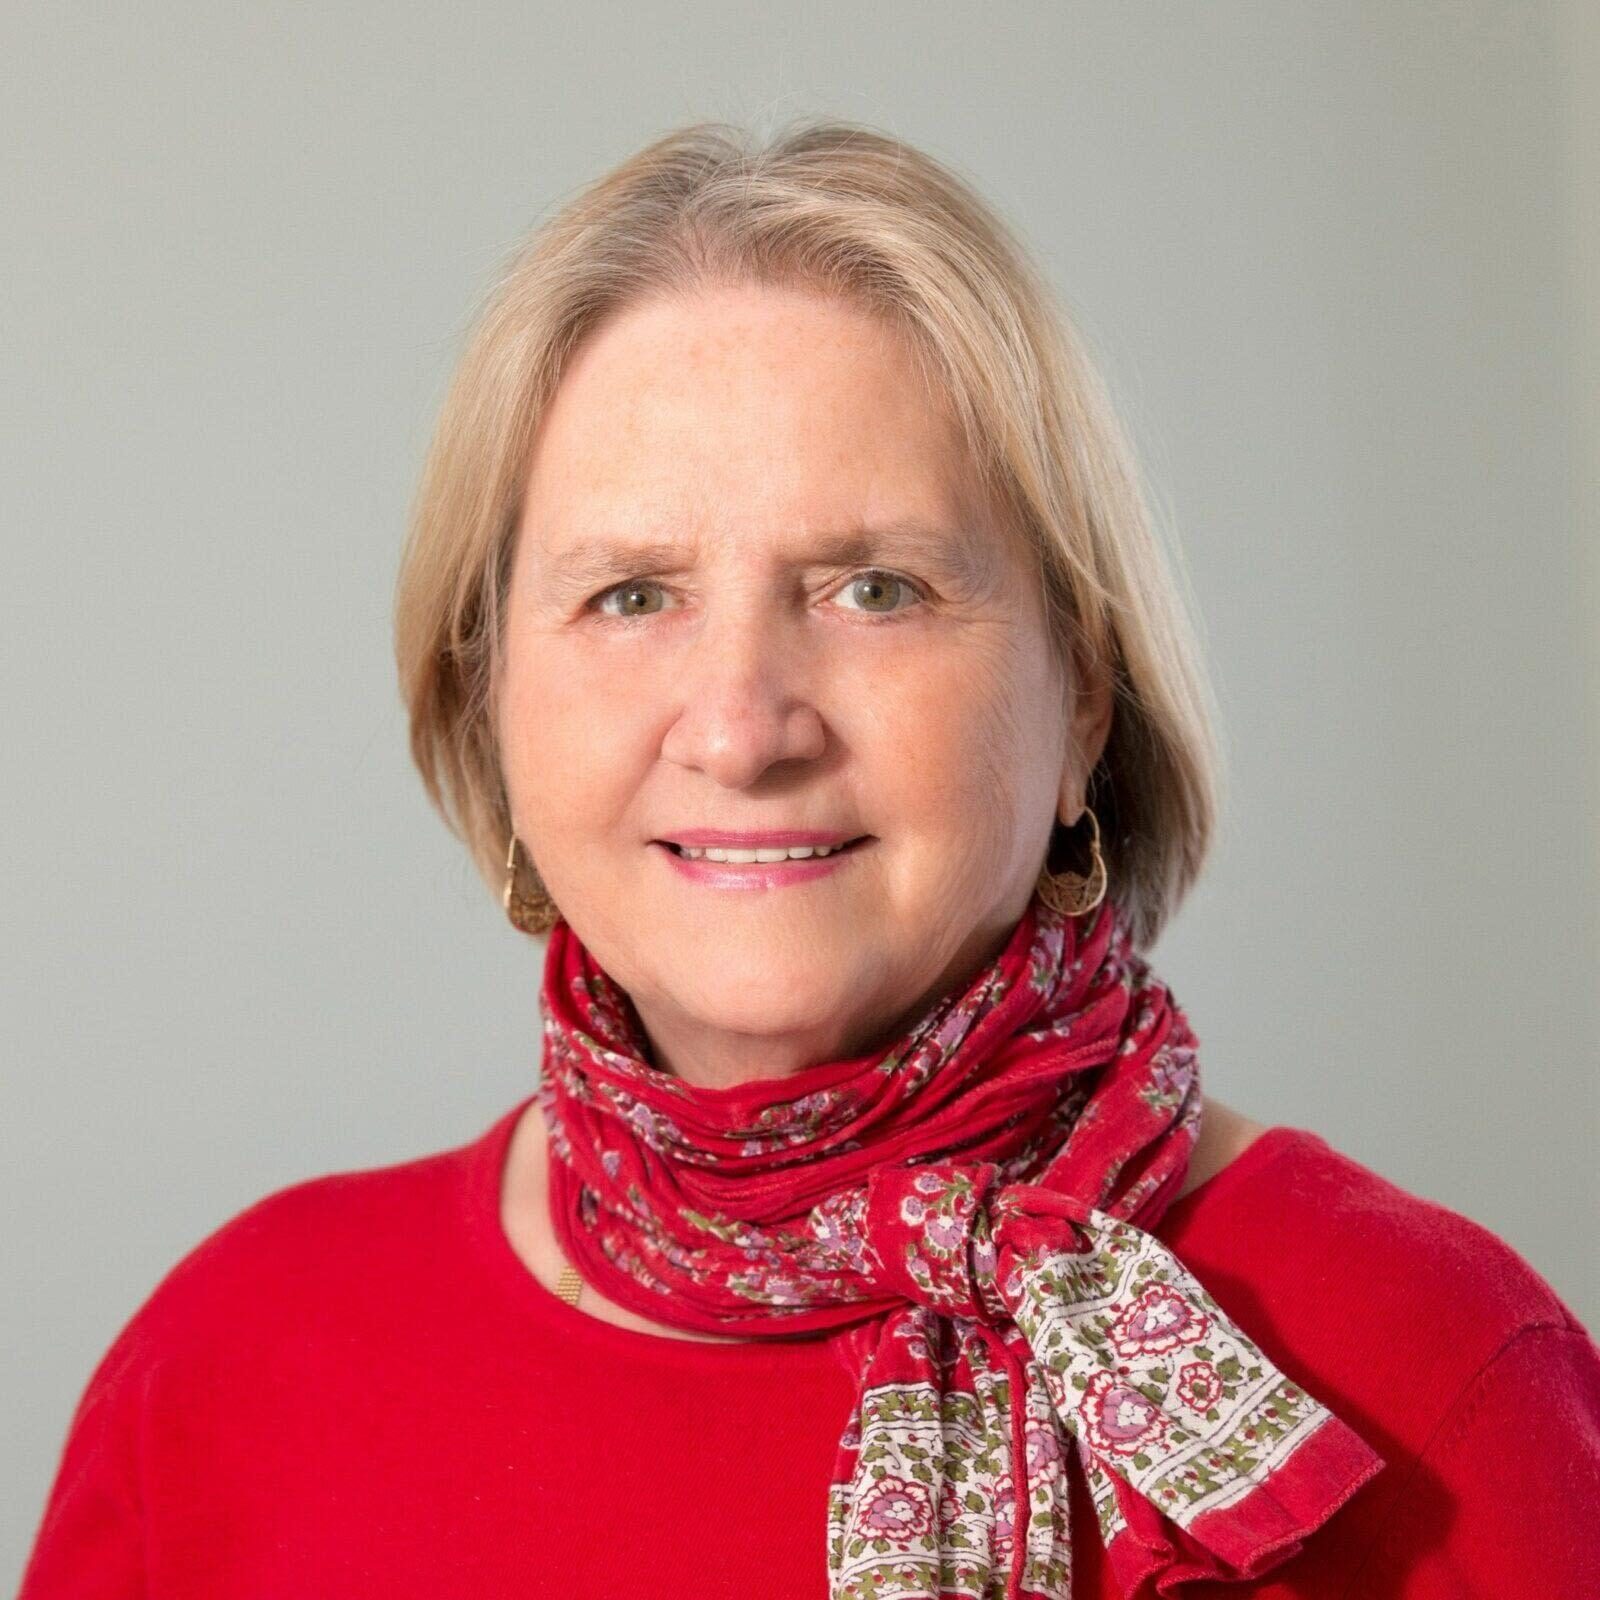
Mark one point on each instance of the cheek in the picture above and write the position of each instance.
(542, 745)
(575, 743)
(954, 734)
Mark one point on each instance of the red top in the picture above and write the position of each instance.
(356, 1388)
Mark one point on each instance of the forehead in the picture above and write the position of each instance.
(755, 406)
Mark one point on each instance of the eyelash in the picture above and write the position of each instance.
(865, 572)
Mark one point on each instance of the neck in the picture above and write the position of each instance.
(722, 1059)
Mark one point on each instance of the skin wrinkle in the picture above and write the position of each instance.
(580, 567)
(747, 422)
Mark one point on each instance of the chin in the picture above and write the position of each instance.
(743, 992)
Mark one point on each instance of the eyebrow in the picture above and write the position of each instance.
(959, 555)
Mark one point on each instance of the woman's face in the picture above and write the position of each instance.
(759, 674)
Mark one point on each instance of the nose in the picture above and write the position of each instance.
(743, 701)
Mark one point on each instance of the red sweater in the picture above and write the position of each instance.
(355, 1388)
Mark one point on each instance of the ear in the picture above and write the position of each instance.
(1092, 704)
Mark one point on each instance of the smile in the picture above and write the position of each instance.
(796, 852)
(745, 869)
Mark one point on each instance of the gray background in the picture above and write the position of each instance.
(1339, 262)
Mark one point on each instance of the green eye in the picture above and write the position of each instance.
(874, 586)
(876, 589)
(629, 591)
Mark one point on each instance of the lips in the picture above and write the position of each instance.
(835, 850)
(756, 838)
(760, 877)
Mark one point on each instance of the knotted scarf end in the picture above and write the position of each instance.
(1255, 1534)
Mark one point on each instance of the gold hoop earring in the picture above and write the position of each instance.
(1074, 893)
(530, 910)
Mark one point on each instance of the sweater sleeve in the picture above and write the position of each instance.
(89, 1543)
(1505, 1499)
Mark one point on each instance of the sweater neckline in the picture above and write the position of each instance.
(485, 1176)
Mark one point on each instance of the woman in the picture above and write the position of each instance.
(782, 631)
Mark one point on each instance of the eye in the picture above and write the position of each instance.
(870, 585)
(878, 580)
(629, 591)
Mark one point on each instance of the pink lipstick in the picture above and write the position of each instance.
(759, 874)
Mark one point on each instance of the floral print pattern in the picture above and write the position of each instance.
(1199, 1385)
(1117, 1418)
(1158, 1321)
(959, 1214)
(897, 1508)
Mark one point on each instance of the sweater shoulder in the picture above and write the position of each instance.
(1525, 1527)
(1349, 1260)
(307, 1247)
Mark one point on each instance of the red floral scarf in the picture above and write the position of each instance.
(970, 1208)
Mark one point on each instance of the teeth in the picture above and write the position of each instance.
(797, 852)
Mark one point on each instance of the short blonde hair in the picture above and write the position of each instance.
(854, 211)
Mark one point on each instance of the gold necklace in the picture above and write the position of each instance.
(569, 1285)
